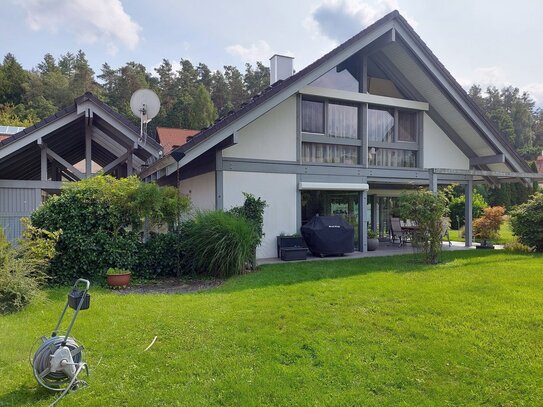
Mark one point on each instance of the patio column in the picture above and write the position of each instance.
(433, 180)
(374, 212)
(468, 232)
(363, 221)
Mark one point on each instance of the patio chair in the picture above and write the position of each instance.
(397, 232)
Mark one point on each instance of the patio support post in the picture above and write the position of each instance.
(363, 221)
(468, 237)
(433, 180)
(374, 212)
(219, 200)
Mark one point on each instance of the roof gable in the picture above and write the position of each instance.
(371, 38)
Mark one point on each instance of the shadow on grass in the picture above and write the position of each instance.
(301, 272)
(25, 395)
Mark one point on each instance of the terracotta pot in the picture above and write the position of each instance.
(118, 280)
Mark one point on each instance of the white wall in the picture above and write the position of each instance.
(278, 190)
(438, 149)
(201, 190)
(270, 137)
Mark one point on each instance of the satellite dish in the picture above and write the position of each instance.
(145, 104)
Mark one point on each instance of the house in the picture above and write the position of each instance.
(374, 117)
(171, 138)
(67, 146)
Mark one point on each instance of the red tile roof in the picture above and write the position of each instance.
(171, 138)
(4, 136)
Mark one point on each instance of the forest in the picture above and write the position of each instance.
(194, 96)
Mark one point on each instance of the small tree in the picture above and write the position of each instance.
(527, 222)
(427, 210)
(487, 227)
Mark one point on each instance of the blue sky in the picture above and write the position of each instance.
(488, 42)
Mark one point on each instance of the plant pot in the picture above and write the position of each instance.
(373, 244)
(289, 241)
(118, 280)
(293, 253)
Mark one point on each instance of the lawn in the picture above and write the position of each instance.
(375, 331)
(506, 235)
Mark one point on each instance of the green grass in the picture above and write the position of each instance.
(375, 331)
(506, 235)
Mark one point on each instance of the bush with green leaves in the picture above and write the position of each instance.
(101, 218)
(22, 268)
(427, 210)
(217, 244)
(457, 209)
(253, 211)
(527, 222)
(160, 256)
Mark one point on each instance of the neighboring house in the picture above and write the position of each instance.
(68, 146)
(376, 116)
(170, 138)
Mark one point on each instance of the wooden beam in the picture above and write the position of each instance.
(65, 163)
(88, 149)
(43, 162)
(487, 159)
(498, 174)
(116, 162)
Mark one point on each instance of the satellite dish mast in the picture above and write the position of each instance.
(145, 104)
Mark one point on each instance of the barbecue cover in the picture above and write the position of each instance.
(328, 235)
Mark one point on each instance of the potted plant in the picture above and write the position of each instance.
(118, 278)
(488, 226)
(373, 240)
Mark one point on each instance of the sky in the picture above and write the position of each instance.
(488, 42)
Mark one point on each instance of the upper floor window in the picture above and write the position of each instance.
(381, 125)
(340, 80)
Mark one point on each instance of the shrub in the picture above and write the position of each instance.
(527, 222)
(100, 218)
(427, 210)
(160, 256)
(457, 209)
(115, 271)
(487, 227)
(21, 269)
(217, 243)
(253, 211)
(517, 247)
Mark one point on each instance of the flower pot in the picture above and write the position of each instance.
(373, 244)
(118, 280)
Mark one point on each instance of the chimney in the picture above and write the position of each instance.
(281, 67)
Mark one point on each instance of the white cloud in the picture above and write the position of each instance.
(258, 51)
(90, 21)
(341, 19)
(536, 92)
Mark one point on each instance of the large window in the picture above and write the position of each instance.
(329, 132)
(381, 125)
(342, 121)
(392, 137)
(329, 153)
(312, 116)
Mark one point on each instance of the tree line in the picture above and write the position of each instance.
(192, 96)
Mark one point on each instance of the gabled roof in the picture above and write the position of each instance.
(170, 138)
(88, 96)
(112, 137)
(466, 109)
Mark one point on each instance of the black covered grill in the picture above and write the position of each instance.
(327, 235)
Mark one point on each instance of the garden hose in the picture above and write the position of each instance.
(41, 363)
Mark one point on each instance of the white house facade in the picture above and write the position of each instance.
(376, 116)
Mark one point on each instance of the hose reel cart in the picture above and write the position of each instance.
(60, 358)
